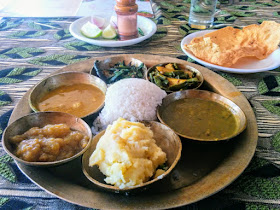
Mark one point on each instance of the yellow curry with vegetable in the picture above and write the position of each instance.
(77, 99)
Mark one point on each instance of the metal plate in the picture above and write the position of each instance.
(204, 169)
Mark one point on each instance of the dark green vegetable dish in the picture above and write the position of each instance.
(174, 77)
(200, 119)
(119, 71)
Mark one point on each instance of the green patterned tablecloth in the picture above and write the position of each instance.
(32, 48)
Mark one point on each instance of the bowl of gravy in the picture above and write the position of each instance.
(202, 115)
(76, 93)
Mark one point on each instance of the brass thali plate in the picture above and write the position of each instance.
(204, 169)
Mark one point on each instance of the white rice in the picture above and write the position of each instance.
(132, 99)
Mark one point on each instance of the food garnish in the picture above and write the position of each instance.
(91, 30)
(98, 21)
(226, 46)
(119, 71)
(170, 77)
(98, 27)
(140, 31)
(109, 32)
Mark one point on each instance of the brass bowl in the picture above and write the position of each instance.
(65, 78)
(207, 95)
(182, 67)
(40, 119)
(165, 138)
(103, 65)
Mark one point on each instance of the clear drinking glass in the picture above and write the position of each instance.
(202, 13)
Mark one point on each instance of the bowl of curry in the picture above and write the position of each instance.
(76, 93)
(202, 115)
(46, 138)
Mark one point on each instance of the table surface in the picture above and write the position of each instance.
(32, 48)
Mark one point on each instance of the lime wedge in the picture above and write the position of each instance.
(90, 30)
(109, 32)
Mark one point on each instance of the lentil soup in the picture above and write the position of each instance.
(200, 119)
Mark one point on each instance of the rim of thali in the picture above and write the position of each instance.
(213, 181)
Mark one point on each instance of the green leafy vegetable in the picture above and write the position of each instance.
(119, 71)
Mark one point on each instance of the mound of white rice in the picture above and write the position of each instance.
(132, 99)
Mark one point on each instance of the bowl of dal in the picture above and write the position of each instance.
(127, 163)
(76, 93)
(202, 115)
(46, 139)
(173, 77)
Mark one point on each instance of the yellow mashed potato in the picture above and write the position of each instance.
(127, 154)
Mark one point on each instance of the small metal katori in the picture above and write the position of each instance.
(40, 119)
(237, 112)
(61, 79)
(188, 84)
(165, 138)
(102, 68)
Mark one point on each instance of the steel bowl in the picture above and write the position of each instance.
(182, 67)
(101, 66)
(65, 78)
(207, 95)
(40, 119)
(165, 138)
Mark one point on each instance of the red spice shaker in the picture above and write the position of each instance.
(127, 19)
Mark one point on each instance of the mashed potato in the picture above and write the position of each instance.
(127, 154)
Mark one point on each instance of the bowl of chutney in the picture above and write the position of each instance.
(76, 93)
(202, 115)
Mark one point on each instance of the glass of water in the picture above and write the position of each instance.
(202, 13)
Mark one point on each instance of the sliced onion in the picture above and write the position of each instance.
(113, 22)
(98, 21)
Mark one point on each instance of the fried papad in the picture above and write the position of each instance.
(226, 46)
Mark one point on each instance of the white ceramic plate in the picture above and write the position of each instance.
(145, 24)
(243, 66)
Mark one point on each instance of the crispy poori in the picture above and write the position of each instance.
(226, 46)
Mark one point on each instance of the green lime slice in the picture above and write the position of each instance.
(90, 30)
(109, 32)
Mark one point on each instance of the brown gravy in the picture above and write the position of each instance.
(77, 99)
